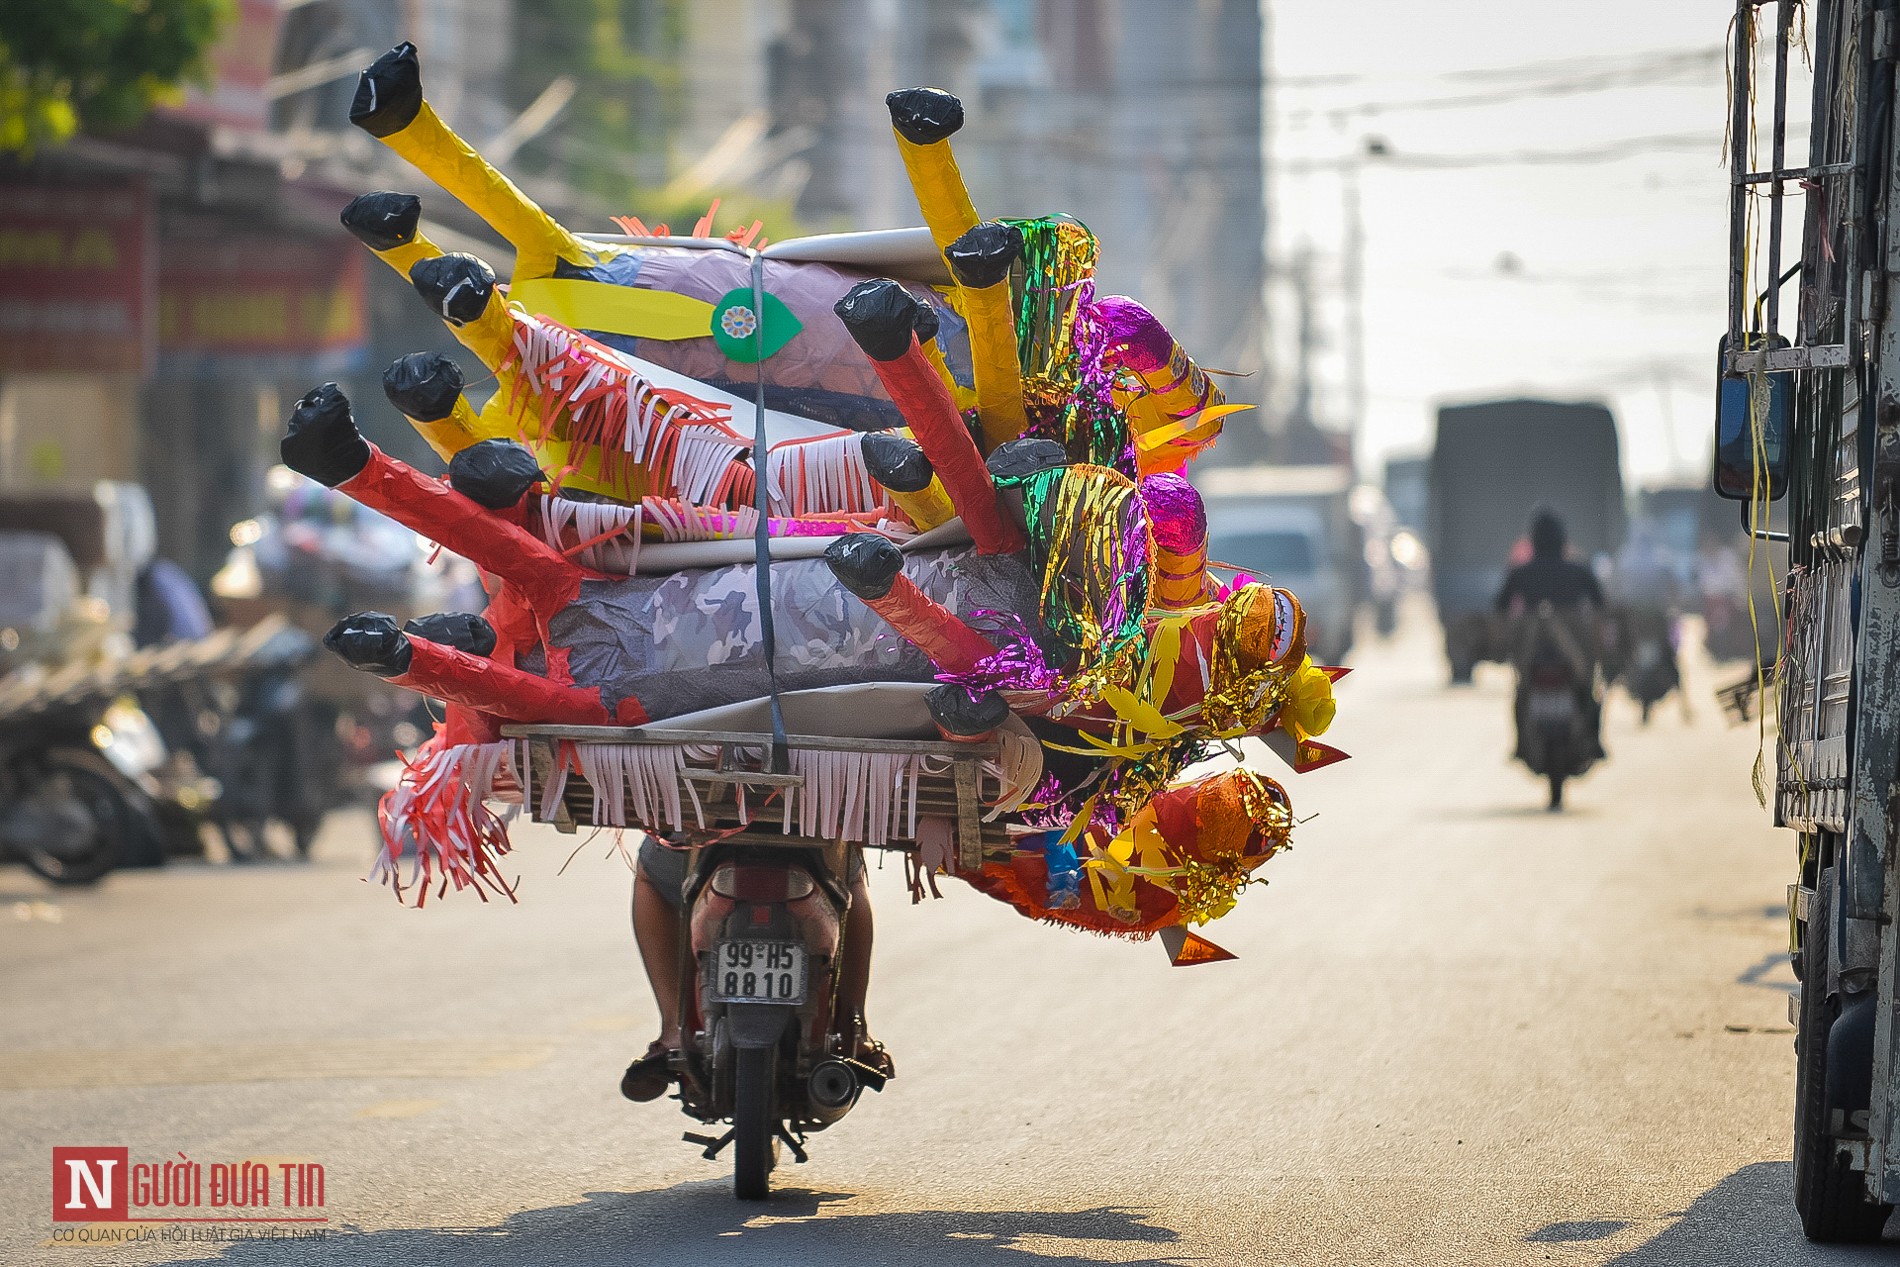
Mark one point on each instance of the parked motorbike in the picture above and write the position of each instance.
(1557, 702)
(1649, 670)
(72, 807)
(765, 925)
(1728, 632)
(265, 750)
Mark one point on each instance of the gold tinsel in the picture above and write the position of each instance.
(1246, 686)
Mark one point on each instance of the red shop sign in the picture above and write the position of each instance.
(77, 290)
(243, 293)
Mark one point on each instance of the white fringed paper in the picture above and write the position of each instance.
(566, 523)
(826, 476)
(682, 521)
(859, 796)
(638, 782)
(688, 444)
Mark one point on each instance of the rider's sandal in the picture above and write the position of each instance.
(648, 1077)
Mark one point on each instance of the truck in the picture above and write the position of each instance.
(1492, 464)
(1808, 418)
(1293, 525)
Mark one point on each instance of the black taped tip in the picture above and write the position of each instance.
(865, 563)
(389, 93)
(926, 323)
(465, 631)
(423, 385)
(456, 287)
(383, 221)
(897, 463)
(322, 441)
(924, 116)
(957, 714)
(983, 256)
(1016, 460)
(881, 316)
(494, 473)
(370, 641)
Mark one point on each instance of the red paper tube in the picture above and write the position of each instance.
(545, 577)
(881, 316)
(873, 569)
(510, 694)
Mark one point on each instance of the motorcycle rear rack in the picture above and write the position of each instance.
(955, 792)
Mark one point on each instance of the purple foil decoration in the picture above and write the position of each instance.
(1241, 580)
(1175, 510)
(1095, 379)
(1018, 665)
(1142, 343)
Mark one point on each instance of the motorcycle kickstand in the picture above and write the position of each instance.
(713, 1146)
(798, 1152)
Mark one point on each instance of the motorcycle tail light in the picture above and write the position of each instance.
(745, 883)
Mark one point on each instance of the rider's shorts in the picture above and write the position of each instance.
(665, 869)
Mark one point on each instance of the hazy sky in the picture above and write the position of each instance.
(1618, 286)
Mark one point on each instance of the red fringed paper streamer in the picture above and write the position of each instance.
(439, 810)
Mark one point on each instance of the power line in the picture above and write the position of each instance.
(1563, 66)
(1657, 71)
(1609, 152)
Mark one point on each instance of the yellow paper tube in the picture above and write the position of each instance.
(924, 119)
(981, 260)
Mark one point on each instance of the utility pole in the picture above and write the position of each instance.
(1353, 283)
(1296, 436)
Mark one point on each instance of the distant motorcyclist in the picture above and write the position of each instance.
(1647, 592)
(1550, 576)
(1553, 602)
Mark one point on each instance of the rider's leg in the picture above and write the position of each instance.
(854, 973)
(657, 931)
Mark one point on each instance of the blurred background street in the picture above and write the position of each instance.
(1459, 266)
(1460, 1030)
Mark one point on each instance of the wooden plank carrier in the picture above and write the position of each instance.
(953, 793)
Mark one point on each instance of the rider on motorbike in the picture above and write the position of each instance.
(1550, 576)
(659, 929)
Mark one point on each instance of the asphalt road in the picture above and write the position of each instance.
(1461, 1031)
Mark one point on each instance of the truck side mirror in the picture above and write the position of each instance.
(1736, 451)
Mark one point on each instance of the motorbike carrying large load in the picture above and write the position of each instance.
(878, 538)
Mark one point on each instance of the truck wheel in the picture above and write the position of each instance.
(754, 1125)
(1830, 1196)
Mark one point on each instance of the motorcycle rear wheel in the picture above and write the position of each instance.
(1556, 791)
(93, 789)
(754, 1124)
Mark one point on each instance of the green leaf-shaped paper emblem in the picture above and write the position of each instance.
(735, 326)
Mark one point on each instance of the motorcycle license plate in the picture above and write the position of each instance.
(759, 972)
(1553, 706)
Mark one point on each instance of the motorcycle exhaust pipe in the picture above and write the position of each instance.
(833, 1086)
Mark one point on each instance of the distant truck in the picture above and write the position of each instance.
(1294, 526)
(1492, 465)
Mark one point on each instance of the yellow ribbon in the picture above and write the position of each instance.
(611, 309)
